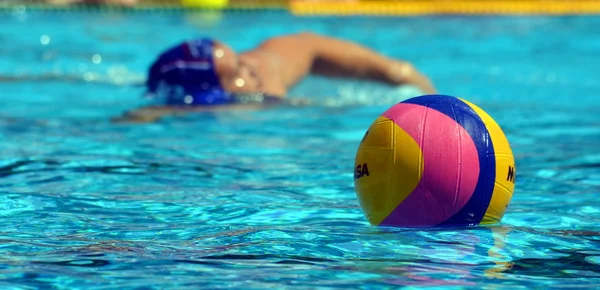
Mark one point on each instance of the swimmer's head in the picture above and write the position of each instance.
(199, 72)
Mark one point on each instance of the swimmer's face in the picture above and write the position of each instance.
(236, 75)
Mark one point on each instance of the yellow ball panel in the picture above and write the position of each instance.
(393, 162)
(504, 184)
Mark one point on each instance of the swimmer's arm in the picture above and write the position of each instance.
(151, 114)
(146, 114)
(311, 53)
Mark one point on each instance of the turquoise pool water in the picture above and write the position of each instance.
(265, 199)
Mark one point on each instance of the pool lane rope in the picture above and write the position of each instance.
(342, 8)
(437, 7)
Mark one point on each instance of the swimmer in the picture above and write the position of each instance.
(206, 74)
(109, 2)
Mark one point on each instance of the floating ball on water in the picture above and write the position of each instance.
(434, 160)
(212, 4)
(204, 19)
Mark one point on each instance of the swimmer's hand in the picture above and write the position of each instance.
(403, 73)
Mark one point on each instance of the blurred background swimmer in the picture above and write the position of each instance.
(206, 74)
(109, 2)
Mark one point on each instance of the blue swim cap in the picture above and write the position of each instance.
(185, 75)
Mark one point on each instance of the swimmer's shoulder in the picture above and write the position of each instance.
(270, 71)
(265, 56)
(292, 54)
